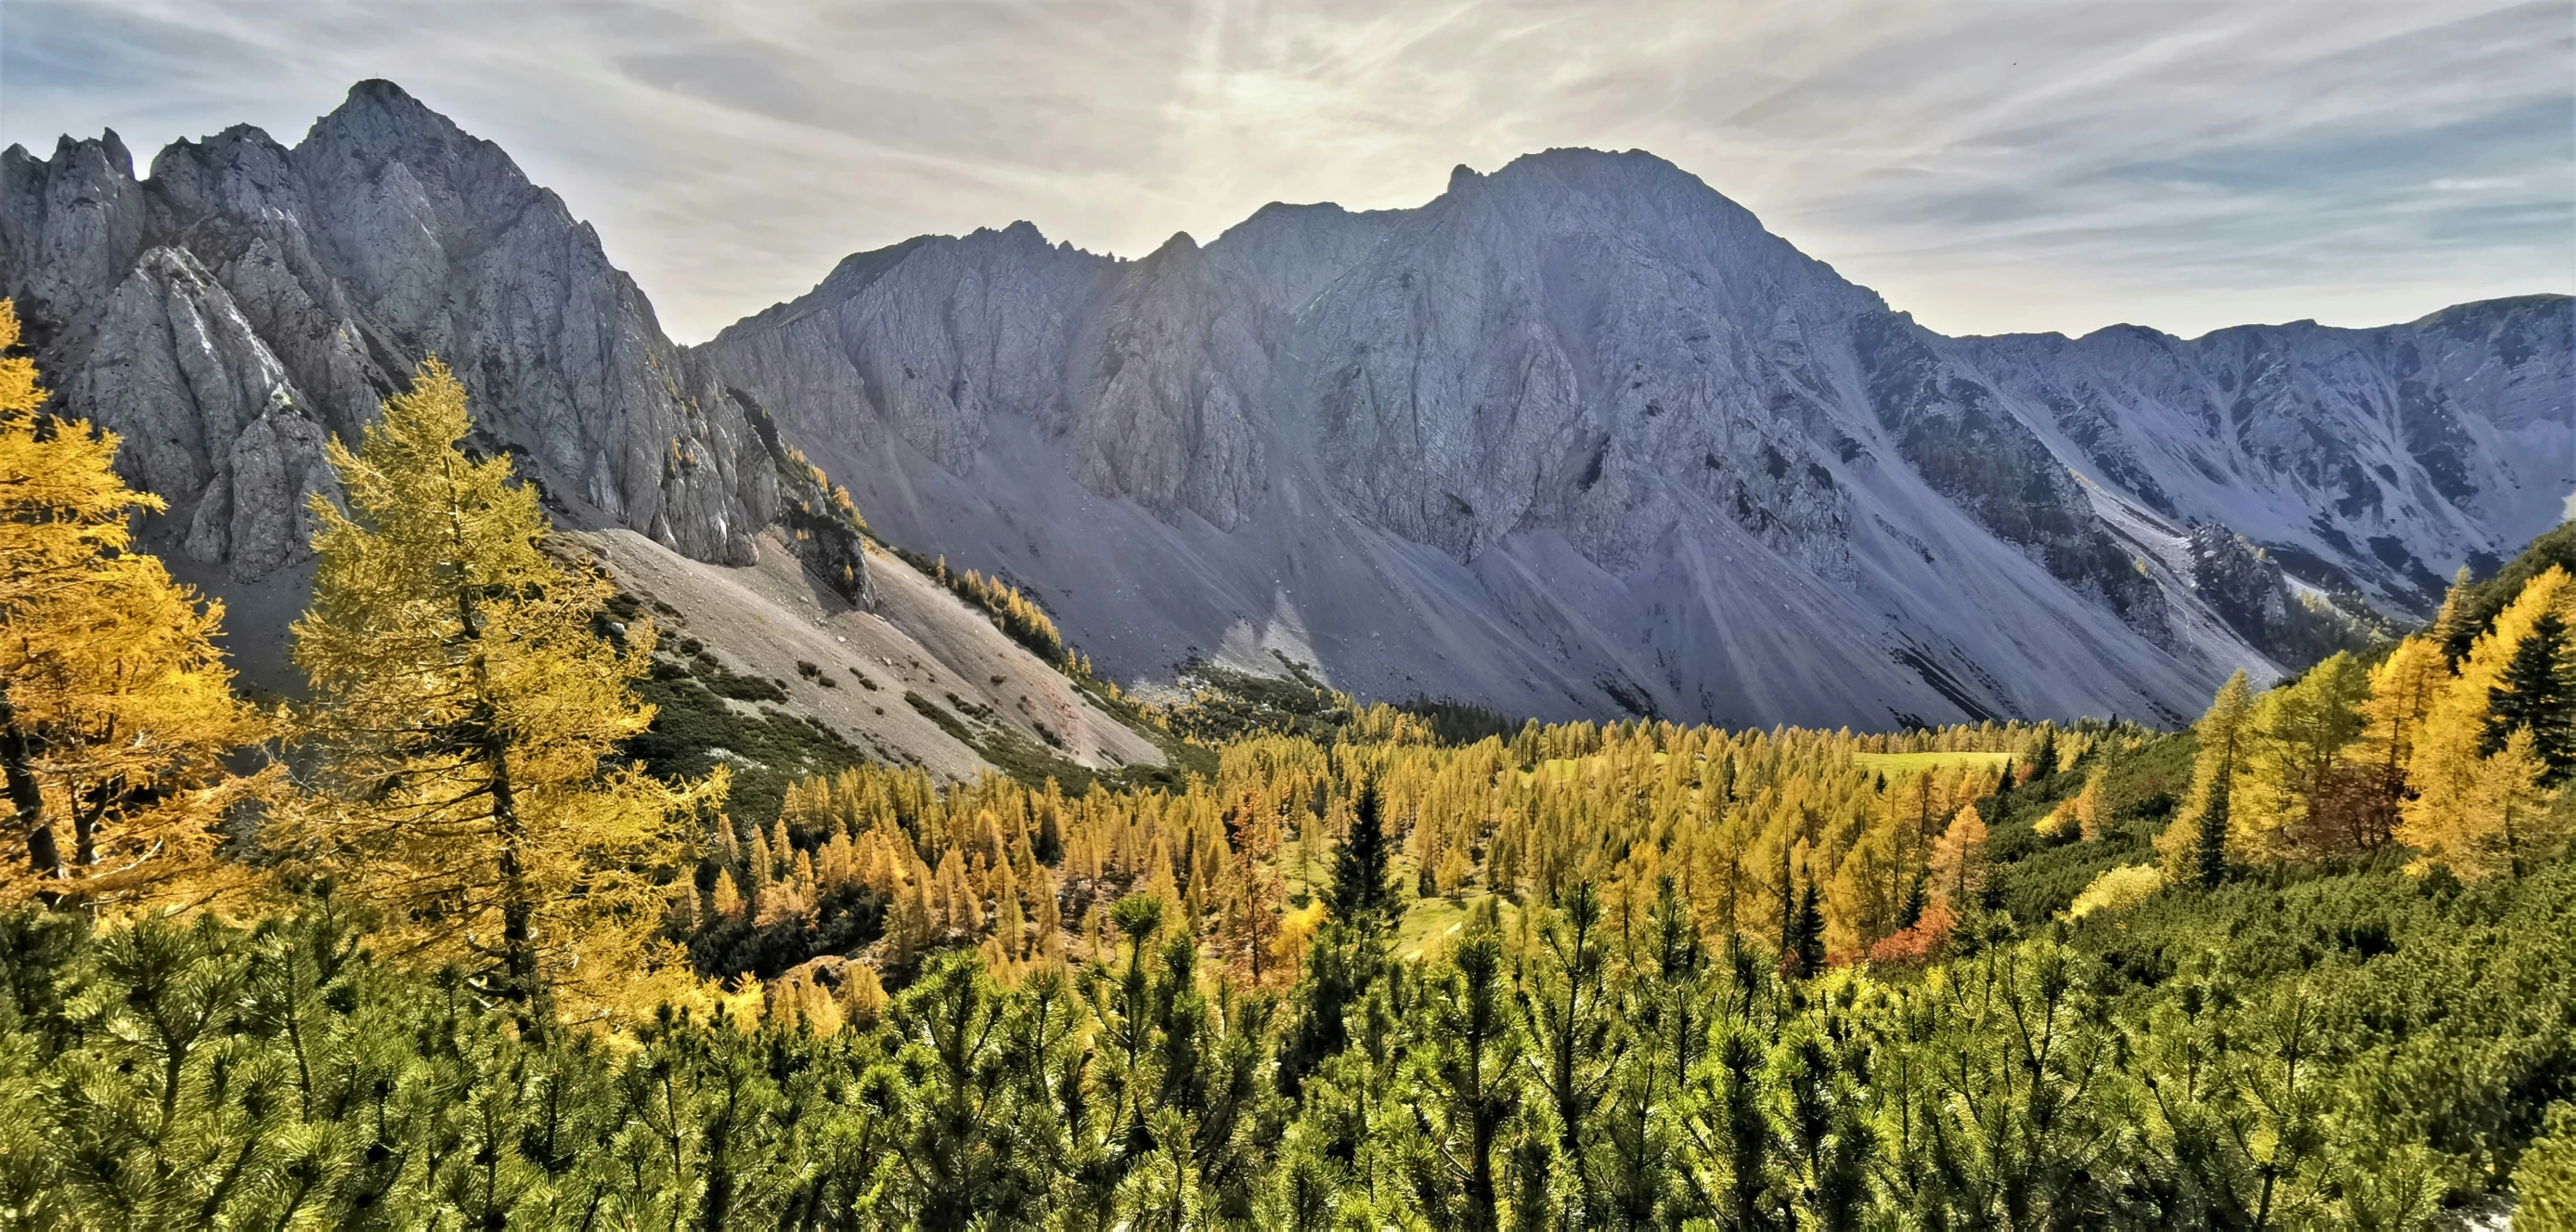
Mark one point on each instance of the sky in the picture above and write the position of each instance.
(1990, 166)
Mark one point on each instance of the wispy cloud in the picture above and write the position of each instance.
(1990, 166)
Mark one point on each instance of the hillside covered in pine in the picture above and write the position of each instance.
(521, 913)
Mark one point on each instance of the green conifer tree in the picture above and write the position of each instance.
(1361, 894)
(2209, 847)
(1472, 1077)
(1803, 951)
(1563, 999)
(1347, 955)
(2536, 693)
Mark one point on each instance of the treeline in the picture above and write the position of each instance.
(2454, 746)
(1009, 610)
(1756, 828)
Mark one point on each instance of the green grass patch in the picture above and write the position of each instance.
(693, 729)
(1226, 704)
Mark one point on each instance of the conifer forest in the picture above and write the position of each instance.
(463, 936)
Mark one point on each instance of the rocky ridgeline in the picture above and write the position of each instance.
(2372, 459)
(1577, 436)
(248, 300)
(1592, 386)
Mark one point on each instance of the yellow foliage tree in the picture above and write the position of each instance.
(2088, 806)
(863, 995)
(2293, 745)
(2203, 836)
(2512, 814)
(1959, 859)
(472, 711)
(2446, 820)
(115, 707)
(2402, 691)
(2117, 889)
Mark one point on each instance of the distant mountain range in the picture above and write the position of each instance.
(1575, 437)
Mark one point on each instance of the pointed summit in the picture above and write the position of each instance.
(117, 156)
(384, 102)
(379, 119)
(382, 95)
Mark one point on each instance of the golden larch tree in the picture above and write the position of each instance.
(2403, 688)
(2203, 838)
(2510, 816)
(116, 708)
(2456, 792)
(1959, 859)
(2088, 807)
(2293, 747)
(472, 710)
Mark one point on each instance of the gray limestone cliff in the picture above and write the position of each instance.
(248, 300)
(2376, 460)
(1580, 435)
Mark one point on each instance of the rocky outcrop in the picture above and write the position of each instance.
(2377, 460)
(249, 299)
(1172, 381)
(1580, 435)
(70, 227)
(1954, 431)
(211, 420)
(2249, 590)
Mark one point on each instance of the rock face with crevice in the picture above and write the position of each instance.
(2369, 460)
(248, 300)
(1580, 436)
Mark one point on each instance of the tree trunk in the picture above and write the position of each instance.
(17, 764)
(85, 824)
(519, 981)
(1482, 1200)
(518, 938)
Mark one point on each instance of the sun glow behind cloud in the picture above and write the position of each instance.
(1989, 167)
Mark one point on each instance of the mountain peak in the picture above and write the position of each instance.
(1622, 180)
(1584, 162)
(116, 152)
(377, 112)
(109, 149)
(1021, 231)
(377, 91)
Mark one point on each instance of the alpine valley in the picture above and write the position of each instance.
(1578, 437)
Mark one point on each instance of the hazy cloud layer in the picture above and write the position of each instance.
(1990, 166)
